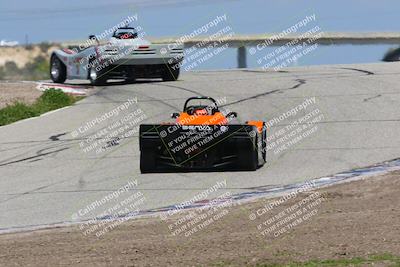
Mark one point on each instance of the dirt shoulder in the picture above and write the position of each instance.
(17, 91)
(352, 223)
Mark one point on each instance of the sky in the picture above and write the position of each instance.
(59, 20)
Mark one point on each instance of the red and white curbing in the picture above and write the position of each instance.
(66, 88)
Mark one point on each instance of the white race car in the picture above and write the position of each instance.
(125, 56)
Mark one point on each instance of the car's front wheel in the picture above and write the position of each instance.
(96, 76)
(58, 71)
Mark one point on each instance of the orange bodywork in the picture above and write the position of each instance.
(258, 124)
(201, 117)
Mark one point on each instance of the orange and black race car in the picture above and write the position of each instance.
(202, 138)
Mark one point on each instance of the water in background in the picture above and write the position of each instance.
(50, 20)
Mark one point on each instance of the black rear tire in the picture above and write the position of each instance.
(147, 161)
(252, 162)
(58, 71)
(130, 80)
(171, 73)
(264, 143)
(131, 76)
(248, 155)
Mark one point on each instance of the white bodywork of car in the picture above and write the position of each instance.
(116, 53)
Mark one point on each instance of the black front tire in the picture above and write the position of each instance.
(58, 71)
(97, 77)
(392, 55)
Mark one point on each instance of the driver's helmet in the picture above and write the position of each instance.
(201, 112)
(125, 33)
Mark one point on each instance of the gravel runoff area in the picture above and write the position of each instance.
(25, 92)
(355, 222)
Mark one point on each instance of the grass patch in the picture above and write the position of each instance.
(50, 100)
(388, 259)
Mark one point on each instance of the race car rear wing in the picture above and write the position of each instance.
(166, 148)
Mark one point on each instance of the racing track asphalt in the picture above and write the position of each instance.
(45, 177)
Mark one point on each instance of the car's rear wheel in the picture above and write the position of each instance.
(171, 73)
(248, 153)
(251, 162)
(58, 71)
(131, 77)
(264, 143)
(147, 161)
